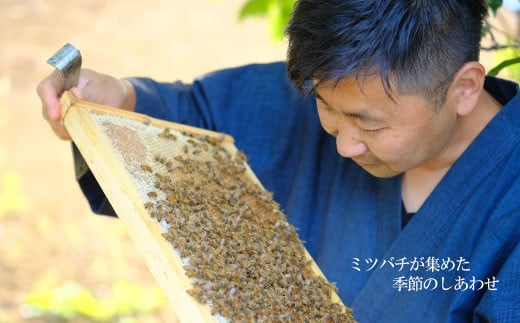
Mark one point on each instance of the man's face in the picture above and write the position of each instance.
(385, 137)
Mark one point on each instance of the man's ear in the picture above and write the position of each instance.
(467, 87)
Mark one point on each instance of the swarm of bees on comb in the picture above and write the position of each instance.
(244, 259)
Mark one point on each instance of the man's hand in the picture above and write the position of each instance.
(92, 86)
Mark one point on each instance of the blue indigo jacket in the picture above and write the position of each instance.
(457, 260)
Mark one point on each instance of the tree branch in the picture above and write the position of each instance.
(499, 46)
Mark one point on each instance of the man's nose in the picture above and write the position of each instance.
(348, 144)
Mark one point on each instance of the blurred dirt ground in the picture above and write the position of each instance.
(48, 236)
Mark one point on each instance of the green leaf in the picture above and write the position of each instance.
(277, 13)
(66, 301)
(495, 70)
(494, 5)
(81, 301)
(69, 300)
(253, 8)
(39, 299)
(275, 19)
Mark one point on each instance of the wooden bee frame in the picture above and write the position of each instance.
(104, 147)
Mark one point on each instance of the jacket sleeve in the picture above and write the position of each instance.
(97, 200)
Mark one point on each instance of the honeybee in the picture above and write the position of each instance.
(146, 168)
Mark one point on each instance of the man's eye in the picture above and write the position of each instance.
(324, 108)
(370, 131)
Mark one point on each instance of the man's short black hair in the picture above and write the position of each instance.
(415, 46)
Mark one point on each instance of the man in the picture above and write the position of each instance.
(418, 216)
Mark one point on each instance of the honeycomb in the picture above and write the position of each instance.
(243, 259)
